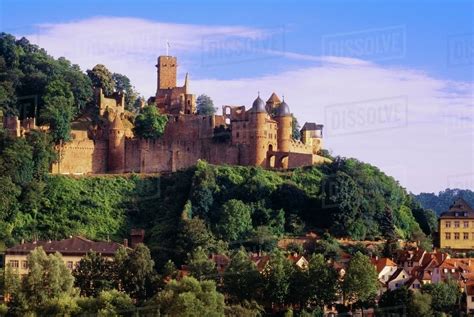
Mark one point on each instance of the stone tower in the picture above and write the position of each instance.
(116, 150)
(284, 122)
(258, 118)
(170, 98)
(167, 69)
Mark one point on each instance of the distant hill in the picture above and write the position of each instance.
(440, 202)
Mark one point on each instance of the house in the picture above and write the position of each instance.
(261, 261)
(456, 226)
(469, 290)
(385, 268)
(72, 251)
(221, 260)
(399, 278)
(414, 284)
(299, 260)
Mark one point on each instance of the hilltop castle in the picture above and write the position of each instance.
(259, 136)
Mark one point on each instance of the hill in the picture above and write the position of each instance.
(208, 206)
(440, 202)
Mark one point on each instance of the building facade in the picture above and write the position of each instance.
(456, 226)
(72, 251)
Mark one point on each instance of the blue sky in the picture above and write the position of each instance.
(391, 80)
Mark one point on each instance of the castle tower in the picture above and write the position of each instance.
(258, 118)
(167, 68)
(284, 123)
(312, 134)
(116, 150)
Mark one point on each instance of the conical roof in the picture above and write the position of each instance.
(117, 124)
(284, 110)
(258, 105)
(274, 99)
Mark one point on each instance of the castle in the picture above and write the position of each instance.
(258, 136)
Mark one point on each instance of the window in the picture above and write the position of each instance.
(448, 235)
(69, 265)
(14, 264)
(472, 298)
(456, 236)
(466, 224)
(456, 224)
(24, 264)
(237, 134)
(472, 236)
(466, 235)
(448, 224)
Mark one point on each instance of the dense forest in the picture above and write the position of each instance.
(440, 202)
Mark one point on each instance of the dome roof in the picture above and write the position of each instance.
(284, 109)
(258, 105)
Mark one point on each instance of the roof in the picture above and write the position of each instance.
(311, 126)
(274, 99)
(381, 263)
(117, 124)
(284, 110)
(396, 274)
(73, 246)
(459, 209)
(258, 105)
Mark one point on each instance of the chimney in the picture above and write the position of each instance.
(125, 243)
(137, 236)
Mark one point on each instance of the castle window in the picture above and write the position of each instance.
(14, 264)
(447, 235)
(24, 264)
(466, 235)
(456, 224)
(448, 224)
(466, 224)
(69, 265)
(237, 134)
(456, 236)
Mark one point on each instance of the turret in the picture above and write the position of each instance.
(284, 124)
(312, 134)
(116, 153)
(258, 117)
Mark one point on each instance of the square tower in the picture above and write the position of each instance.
(167, 69)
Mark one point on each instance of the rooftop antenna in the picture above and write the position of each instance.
(258, 92)
(167, 47)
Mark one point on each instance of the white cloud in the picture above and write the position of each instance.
(423, 129)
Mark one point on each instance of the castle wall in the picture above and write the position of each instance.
(82, 156)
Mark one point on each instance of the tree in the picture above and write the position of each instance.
(135, 270)
(295, 128)
(150, 124)
(200, 266)
(322, 281)
(445, 296)
(93, 274)
(193, 233)
(276, 278)
(48, 282)
(101, 77)
(242, 280)
(205, 106)
(189, 297)
(360, 281)
(122, 83)
(235, 220)
(59, 110)
(396, 301)
(107, 303)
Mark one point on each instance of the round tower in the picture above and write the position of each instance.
(258, 117)
(116, 150)
(284, 125)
